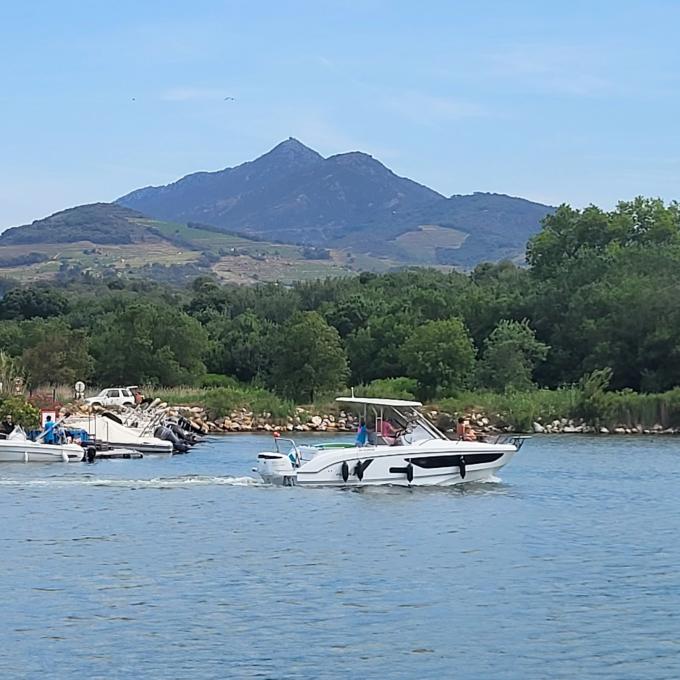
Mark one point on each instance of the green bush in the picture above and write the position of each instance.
(389, 388)
(218, 380)
(518, 410)
(221, 401)
(23, 412)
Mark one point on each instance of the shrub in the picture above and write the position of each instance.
(390, 388)
(23, 412)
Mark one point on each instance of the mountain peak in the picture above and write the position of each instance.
(293, 149)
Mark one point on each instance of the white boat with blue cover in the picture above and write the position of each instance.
(415, 453)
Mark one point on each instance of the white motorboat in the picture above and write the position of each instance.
(414, 453)
(115, 435)
(17, 448)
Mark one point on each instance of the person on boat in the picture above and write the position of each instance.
(388, 432)
(7, 425)
(362, 434)
(49, 437)
(464, 431)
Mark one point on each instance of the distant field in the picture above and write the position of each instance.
(241, 260)
(90, 255)
(245, 269)
(421, 244)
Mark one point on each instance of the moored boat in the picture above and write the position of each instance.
(116, 435)
(17, 448)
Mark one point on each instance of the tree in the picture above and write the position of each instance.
(308, 358)
(62, 358)
(511, 353)
(439, 355)
(149, 343)
(28, 303)
(241, 346)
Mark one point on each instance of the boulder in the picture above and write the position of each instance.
(538, 428)
(604, 430)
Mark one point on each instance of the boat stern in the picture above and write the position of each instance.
(276, 468)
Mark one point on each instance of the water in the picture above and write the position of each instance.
(188, 568)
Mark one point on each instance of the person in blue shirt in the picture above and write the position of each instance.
(49, 437)
(362, 434)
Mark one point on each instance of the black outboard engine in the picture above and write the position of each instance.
(166, 434)
(187, 437)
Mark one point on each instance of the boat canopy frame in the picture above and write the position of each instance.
(407, 414)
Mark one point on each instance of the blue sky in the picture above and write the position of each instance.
(574, 102)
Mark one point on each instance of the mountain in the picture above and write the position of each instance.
(290, 194)
(350, 201)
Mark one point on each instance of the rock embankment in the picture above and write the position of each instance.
(565, 426)
(307, 420)
(243, 420)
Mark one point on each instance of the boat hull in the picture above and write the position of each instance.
(12, 451)
(117, 436)
(446, 464)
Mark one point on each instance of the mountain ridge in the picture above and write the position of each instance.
(348, 200)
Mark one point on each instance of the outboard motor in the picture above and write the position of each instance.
(276, 468)
(185, 436)
(166, 434)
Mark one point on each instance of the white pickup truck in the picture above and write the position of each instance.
(112, 396)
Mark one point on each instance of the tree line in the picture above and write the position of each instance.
(600, 292)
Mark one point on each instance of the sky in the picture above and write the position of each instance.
(575, 102)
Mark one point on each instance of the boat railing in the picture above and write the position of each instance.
(278, 440)
(517, 440)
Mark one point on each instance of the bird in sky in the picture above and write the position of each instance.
(229, 99)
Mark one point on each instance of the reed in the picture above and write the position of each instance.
(518, 410)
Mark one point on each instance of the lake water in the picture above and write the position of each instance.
(188, 568)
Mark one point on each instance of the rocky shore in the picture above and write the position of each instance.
(307, 420)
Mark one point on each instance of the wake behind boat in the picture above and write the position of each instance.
(402, 448)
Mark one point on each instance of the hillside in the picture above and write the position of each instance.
(108, 240)
(102, 223)
(349, 201)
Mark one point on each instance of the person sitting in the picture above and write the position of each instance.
(7, 425)
(49, 436)
(388, 432)
(362, 434)
(464, 431)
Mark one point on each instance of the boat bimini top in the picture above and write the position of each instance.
(403, 415)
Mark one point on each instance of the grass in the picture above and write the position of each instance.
(518, 410)
(219, 402)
